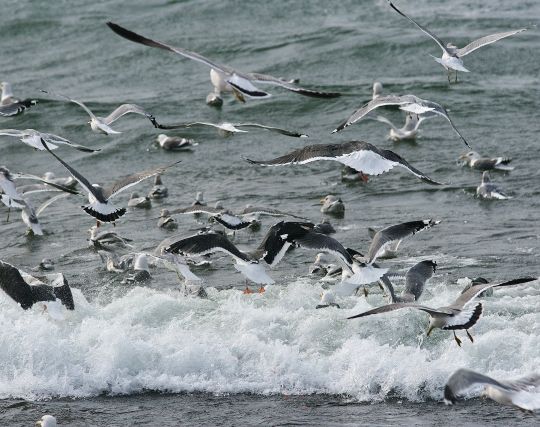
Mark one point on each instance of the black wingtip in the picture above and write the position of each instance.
(449, 397)
(104, 218)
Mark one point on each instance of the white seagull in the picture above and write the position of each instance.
(488, 190)
(223, 77)
(228, 129)
(476, 161)
(451, 57)
(102, 124)
(409, 131)
(33, 138)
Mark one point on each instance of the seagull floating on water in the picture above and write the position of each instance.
(451, 57)
(136, 201)
(488, 190)
(159, 190)
(33, 138)
(223, 77)
(47, 421)
(361, 156)
(228, 129)
(476, 161)
(332, 205)
(522, 393)
(102, 124)
(175, 143)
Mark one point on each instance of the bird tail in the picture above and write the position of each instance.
(104, 212)
(367, 274)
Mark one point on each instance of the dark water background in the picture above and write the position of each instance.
(337, 46)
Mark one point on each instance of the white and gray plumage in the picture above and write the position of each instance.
(228, 129)
(389, 250)
(451, 57)
(415, 280)
(409, 131)
(139, 202)
(33, 138)
(223, 77)
(476, 161)
(26, 295)
(377, 90)
(202, 244)
(10, 106)
(488, 190)
(361, 156)
(324, 227)
(175, 143)
(522, 393)
(175, 262)
(102, 124)
(408, 103)
(332, 205)
(98, 197)
(47, 421)
(6, 95)
(107, 239)
(461, 314)
(159, 190)
(166, 221)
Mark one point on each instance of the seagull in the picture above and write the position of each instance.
(488, 190)
(522, 393)
(98, 197)
(409, 131)
(223, 77)
(33, 138)
(227, 129)
(332, 205)
(166, 221)
(106, 239)
(175, 262)
(47, 421)
(175, 143)
(202, 244)
(362, 156)
(26, 295)
(377, 90)
(461, 314)
(158, 191)
(389, 250)
(7, 97)
(415, 280)
(328, 299)
(451, 57)
(135, 201)
(324, 227)
(15, 108)
(323, 268)
(408, 103)
(102, 124)
(476, 161)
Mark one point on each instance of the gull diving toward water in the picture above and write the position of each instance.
(227, 129)
(98, 196)
(11, 106)
(408, 103)
(223, 77)
(451, 57)
(522, 393)
(461, 314)
(361, 156)
(476, 161)
(33, 138)
(409, 131)
(415, 281)
(488, 190)
(102, 124)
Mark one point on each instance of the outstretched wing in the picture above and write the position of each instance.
(12, 283)
(265, 78)
(126, 109)
(463, 379)
(484, 41)
(399, 305)
(272, 129)
(202, 244)
(79, 103)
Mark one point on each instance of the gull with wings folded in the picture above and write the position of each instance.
(408, 103)
(102, 124)
(33, 138)
(227, 129)
(451, 57)
(359, 155)
(223, 77)
(522, 393)
(461, 314)
(98, 196)
(476, 161)
(488, 190)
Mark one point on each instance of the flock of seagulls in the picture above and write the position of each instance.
(351, 269)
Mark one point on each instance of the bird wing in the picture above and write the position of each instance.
(467, 296)
(188, 125)
(197, 209)
(394, 233)
(133, 179)
(383, 119)
(124, 109)
(49, 202)
(251, 210)
(441, 111)
(397, 306)
(79, 103)
(202, 244)
(416, 278)
(423, 29)
(14, 285)
(137, 38)
(272, 129)
(37, 178)
(462, 380)
(323, 243)
(484, 41)
(58, 140)
(265, 78)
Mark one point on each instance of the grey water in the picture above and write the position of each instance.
(144, 354)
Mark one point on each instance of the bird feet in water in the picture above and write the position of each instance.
(262, 290)
(247, 291)
(363, 177)
(458, 341)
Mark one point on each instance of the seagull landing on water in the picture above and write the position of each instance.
(227, 129)
(408, 103)
(451, 57)
(33, 138)
(476, 161)
(488, 190)
(102, 124)
(223, 77)
(361, 156)
(98, 197)
(461, 314)
(522, 393)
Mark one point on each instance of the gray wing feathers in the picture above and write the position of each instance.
(126, 109)
(484, 41)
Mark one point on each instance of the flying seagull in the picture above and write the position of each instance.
(451, 57)
(361, 156)
(223, 77)
(26, 295)
(461, 314)
(415, 280)
(98, 197)
(522, 393)
(33, 138)
(228, 129)
(102, 124)
(488, 190)
(476, 161)
(409, 131)
(408, 103)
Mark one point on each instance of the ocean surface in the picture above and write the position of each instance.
(144, 354)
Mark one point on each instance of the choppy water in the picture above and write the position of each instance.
(255, 352)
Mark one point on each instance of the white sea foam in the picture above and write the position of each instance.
(276, 342)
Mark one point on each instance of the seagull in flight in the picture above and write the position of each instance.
(223, 77)
(33, 138)
(451, 57)
(102, 124)
(228, 129)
